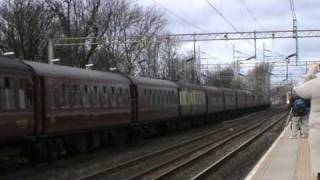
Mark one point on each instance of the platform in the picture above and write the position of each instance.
(286, 159)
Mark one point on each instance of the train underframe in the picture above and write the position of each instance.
(48, 148)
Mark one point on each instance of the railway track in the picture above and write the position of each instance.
(216, 165)
(162, 163)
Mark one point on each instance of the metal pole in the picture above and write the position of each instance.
(287, 68)
(255, 44)
(50, 51)
(199, 63)
(263, 52)
(297, 51)
(295, 35)
(234, 62)
(194, 60)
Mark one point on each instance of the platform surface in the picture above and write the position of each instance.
(286, 159)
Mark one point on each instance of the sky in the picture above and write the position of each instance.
(196, 16)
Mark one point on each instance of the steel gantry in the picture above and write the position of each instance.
(191, 37)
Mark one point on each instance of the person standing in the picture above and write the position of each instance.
(309, 88)
(299, 111)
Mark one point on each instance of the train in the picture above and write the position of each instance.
(50, 109)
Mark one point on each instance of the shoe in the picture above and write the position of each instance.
(318, 176)
(292, 137)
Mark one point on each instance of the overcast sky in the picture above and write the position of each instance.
(265, 15)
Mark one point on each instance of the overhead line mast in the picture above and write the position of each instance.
(294, 28)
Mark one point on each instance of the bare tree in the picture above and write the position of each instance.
(221, 78)
(77, 18)
(26, 26)
(131, 24)
(260, 76)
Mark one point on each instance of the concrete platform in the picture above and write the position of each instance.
(286, 159)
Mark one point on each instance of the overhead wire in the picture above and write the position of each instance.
(221, 15)
(179, 17)
(252, 14)
(227, 21)
(257, 21)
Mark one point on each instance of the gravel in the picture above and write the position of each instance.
(84, 164)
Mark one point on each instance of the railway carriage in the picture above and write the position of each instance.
(249, 99)
(157, 99)
(241, 99)
(73, 99)
(215, 100)
(256, 100)
(55, 106)
(192, 100)
(16, 104)
(230, 103)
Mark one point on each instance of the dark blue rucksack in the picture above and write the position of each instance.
(299, 108)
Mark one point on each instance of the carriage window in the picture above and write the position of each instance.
(7, 95)
(25, 94)
(63, 96)
(104, 97)
(165, 97)
(113, 98)
(75, 96)
(120, 97)
(149, 98)
(157, 97)
(146, 98)
(153, 97)
(94, 96)
(8, 83)
(172, 97)
(85, 96)
(127, 101)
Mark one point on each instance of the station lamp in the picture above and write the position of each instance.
(54, 60)
(88, 66)
(10, 53)
(113, 69)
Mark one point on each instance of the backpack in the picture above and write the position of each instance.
(299, 108)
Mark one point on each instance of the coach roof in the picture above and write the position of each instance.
(13, 64)
(212, 88)
(153, 82)
(53, 70)
(189, 86)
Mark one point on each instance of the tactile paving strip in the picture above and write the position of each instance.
(303, 166)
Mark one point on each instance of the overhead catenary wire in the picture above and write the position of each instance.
(252, 14)
(179, 17)
(257, 21)
(227, 21)
(221, 15)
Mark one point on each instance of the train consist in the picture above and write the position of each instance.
(53, 109)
